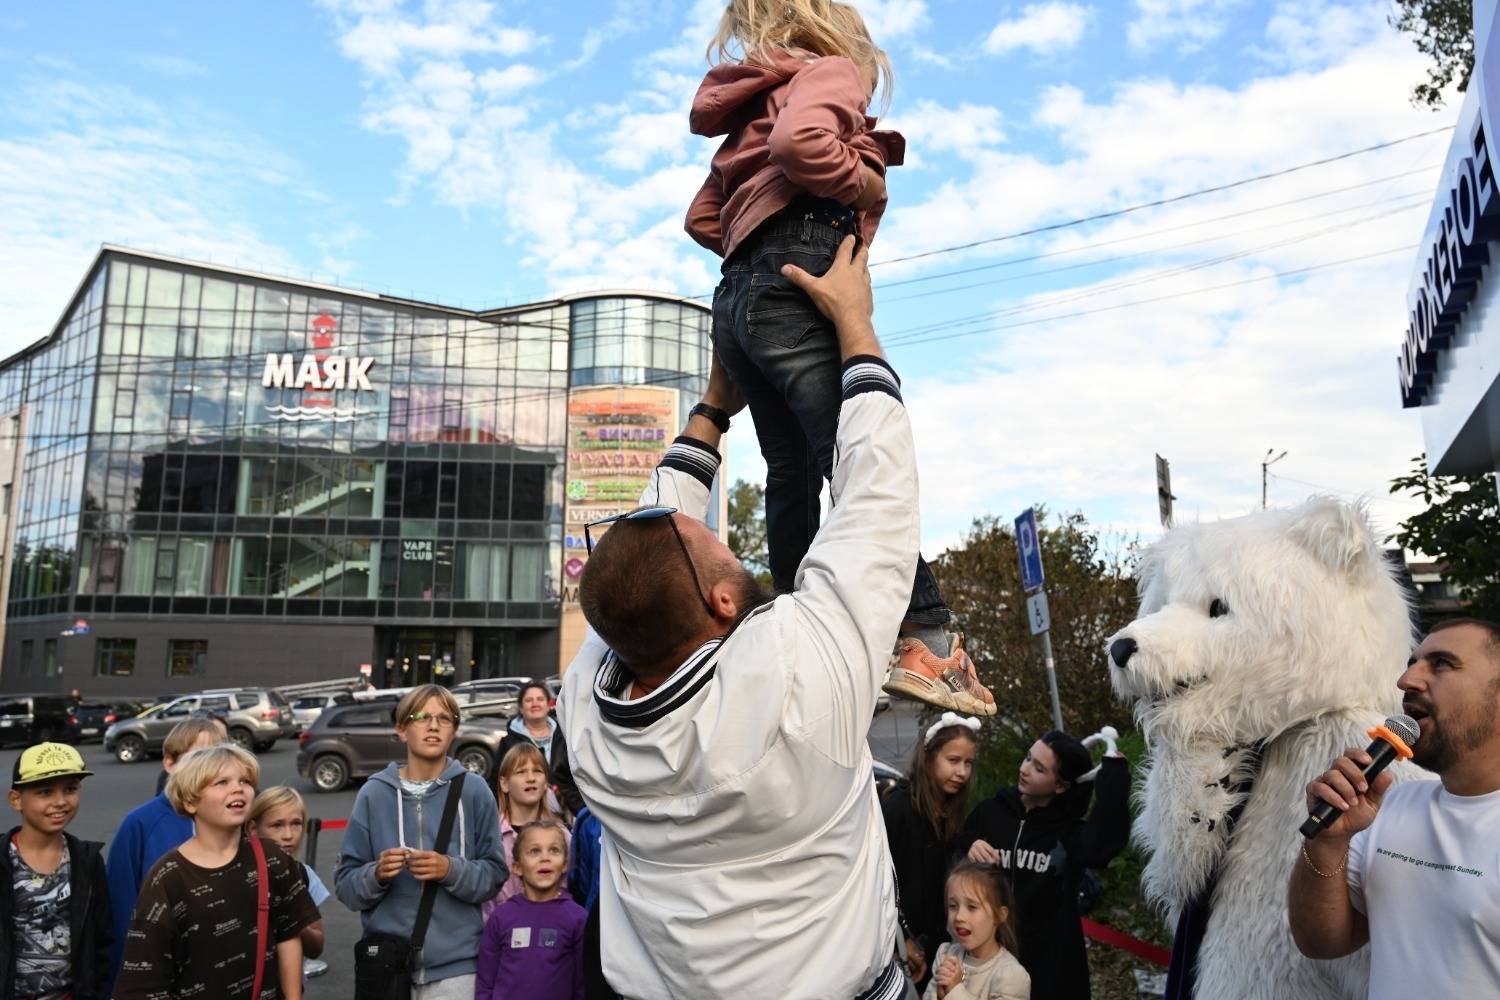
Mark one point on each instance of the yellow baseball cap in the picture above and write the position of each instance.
(46, 761)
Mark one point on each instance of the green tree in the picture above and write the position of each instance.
(747, 527)
(1090, 593)
(1460, 528)
(1442, 30)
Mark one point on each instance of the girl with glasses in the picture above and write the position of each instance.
(388, 857)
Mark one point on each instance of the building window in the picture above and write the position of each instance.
(187, 657)
(50, 667)
(27, 650)
(115, 658)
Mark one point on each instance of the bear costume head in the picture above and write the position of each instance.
(1252, 625)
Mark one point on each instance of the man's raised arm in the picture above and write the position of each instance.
(855, 582)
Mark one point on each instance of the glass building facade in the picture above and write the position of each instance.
(222, 472)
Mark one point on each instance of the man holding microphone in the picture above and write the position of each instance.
(1415, 870)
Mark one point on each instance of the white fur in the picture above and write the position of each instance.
(1306, 660)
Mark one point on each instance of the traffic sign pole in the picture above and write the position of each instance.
(1052, 679)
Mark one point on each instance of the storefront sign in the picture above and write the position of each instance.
(1455, 250)
(317, 376)
(416, 550)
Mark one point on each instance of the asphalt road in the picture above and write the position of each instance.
(117, 788)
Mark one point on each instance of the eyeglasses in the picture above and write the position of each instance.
(442, 719)
(653, 514)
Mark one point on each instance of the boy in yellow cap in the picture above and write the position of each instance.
(54, 900)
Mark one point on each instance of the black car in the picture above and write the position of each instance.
(94, 717)
(355, 741)
(30, 718)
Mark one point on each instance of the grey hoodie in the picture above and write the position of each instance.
(477, 866)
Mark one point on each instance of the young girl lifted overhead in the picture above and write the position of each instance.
(800, 169)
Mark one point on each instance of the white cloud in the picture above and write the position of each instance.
(165, 65)
(381, 34)
(931, 128)
(891, 21)
(1315, 32)
(1073, 408)
(92, 163)
(1044, 28)
(1189, 23)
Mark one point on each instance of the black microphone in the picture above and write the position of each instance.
(1392, 740)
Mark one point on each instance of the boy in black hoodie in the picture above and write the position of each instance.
(54, 900)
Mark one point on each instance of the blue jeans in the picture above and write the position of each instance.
(784, 356)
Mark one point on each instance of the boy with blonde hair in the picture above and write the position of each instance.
(194, 931)
(149, 831)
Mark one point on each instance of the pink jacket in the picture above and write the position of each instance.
(797, 124)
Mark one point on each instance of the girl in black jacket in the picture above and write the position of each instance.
(1037, 833)
(923, 820)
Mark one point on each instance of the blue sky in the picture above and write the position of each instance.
(484, 153)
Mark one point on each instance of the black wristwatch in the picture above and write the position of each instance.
(716, 416)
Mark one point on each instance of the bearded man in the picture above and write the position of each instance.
(1415, 870)
(721, 738)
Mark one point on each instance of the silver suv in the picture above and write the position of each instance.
(257, 718)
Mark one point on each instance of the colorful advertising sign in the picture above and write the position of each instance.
(616, 436)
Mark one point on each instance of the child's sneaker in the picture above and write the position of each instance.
(312, 967)
(949, 683)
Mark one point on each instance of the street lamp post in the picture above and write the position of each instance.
(1266, 464)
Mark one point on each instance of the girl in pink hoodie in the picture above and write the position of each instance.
(801, 168)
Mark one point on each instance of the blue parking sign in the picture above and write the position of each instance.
(1028, 542)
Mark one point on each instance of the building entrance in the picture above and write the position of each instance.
(446, 656)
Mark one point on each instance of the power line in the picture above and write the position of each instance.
(1158, 203)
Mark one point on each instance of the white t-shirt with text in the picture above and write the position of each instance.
(1426, 874)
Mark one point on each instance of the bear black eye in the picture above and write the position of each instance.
(1217, 609)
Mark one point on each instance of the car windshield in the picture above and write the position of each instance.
(314, 701)
(148, 712)
(15, 708)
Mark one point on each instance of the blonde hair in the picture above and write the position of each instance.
(822, 27)
(274, 798)
(198, 768)
(414, 699)
(517, 756)
(183, 735)
(542, 824)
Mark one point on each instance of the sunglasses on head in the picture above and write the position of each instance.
(652, 514)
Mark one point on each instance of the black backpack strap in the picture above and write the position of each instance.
(440, 845)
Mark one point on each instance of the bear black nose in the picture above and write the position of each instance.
(1121, 650)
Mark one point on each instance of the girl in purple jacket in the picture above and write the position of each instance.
(533, 943)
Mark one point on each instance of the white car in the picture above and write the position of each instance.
(307, 708)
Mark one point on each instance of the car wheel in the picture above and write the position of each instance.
(242, 738)
(476, 760)
(330, 773)
(130, 749)
(263, 747)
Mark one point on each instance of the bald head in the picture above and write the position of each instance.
(637, 590)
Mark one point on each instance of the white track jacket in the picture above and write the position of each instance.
(744, 854)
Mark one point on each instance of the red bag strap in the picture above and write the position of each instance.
(262, 915)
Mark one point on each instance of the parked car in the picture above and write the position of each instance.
(354, 741)
(886, 777)
(30, 718)
(506, 690)
(95, 716)
(554, 688)
(306, 709)
(257, 718)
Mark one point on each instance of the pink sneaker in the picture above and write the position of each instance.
(950, 682)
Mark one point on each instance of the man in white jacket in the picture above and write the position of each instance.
(722, 741)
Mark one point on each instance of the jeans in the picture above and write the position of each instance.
(783, 355)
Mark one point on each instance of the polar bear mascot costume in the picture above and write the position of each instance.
(1265, 646)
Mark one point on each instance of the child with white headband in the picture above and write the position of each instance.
(923, 819)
